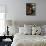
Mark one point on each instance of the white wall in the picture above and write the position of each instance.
(16, 10)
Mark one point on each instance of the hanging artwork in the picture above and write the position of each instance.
(30, 9)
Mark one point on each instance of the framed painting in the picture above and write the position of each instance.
(30, 9)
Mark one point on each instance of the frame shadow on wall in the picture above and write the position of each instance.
(30, 9)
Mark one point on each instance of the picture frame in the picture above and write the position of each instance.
(30, 9)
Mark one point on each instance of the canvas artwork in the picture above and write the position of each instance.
(30, 9)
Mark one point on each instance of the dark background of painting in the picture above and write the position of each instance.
(30, 9)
